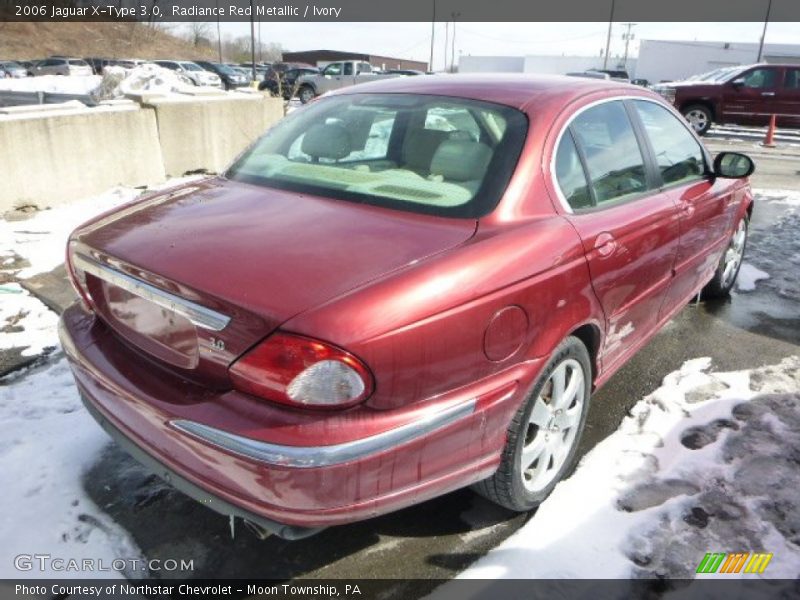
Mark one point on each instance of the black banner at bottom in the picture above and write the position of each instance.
(405, 589)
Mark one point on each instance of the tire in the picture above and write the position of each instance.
(306, 94)
(699, 117)
(730, 262)
(522, 489)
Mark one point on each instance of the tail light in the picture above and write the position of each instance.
(301, 371)
(77, 278)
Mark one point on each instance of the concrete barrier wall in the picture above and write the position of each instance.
(209, 133)
(54, 158)
(51, 158)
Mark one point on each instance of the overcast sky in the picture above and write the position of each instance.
(413, 40)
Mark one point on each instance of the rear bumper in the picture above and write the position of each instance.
(289, 471)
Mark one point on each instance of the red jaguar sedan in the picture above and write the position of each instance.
(404, 288)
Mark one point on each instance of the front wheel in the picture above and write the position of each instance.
(542, 440)
(699, 118)
(730, 263)
(306, 94)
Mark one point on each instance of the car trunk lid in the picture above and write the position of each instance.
(196, 276)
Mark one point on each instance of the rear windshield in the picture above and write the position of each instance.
(420, 153)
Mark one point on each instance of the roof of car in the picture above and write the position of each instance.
(515, 90)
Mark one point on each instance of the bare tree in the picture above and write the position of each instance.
(200, 33)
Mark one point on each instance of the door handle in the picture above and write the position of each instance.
(605, 244)
(767, 93)
(687, 210)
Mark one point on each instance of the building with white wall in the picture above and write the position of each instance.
(658, 60)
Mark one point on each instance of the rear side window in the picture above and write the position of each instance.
(678, 155)
(792, 79)
(614, 160)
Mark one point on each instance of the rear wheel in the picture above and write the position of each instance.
(543, 436)
(729, 265)
(699, 118)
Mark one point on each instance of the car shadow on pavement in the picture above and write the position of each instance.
(165, 524)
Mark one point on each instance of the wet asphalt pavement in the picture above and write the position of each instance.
(441, 537)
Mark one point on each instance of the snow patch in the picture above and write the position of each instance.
(25, 322)
(42, 239)
(748, 277)
(708, 462)
(47, 443)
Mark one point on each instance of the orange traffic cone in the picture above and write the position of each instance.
(768, 140)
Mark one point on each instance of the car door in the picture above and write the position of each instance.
(629, 229)
(332, 78)
(705, 206)
(749, 98)
(787, 101)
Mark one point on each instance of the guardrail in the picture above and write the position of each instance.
(14, 98)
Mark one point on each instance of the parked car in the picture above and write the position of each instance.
(286, 81)
(128, 63)
(747, 95)
(231, 79)
(192, 71)
(589, 75)
(62, 66)
(11, 68)
(28, 65)
(615, 74)
(334, 76)
(407, 72)
(409, 287)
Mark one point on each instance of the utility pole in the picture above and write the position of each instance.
(219, 35)
(764, 32)
(260, 49)
(446, 38)
(433, 33)
(627, 36)
(608, 37)
(455, 15)
(253, 42)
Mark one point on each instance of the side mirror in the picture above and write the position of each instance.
(737, 83)
(733, 165)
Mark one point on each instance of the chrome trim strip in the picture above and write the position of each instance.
(197, 314)
(307, 457)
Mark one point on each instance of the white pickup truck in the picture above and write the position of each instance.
(334, 76)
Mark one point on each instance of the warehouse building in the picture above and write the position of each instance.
(320, 58)
(658, 60)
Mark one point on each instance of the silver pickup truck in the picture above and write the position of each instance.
(334, 76)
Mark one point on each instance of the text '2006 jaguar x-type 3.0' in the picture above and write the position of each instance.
(403, 288)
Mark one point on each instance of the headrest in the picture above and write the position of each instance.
(461, 160)
(420, 146)
(327, 140)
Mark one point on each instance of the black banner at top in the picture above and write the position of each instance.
(400, 10)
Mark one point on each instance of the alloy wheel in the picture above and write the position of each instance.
(553, 425)
(697, 119)
(734, 254)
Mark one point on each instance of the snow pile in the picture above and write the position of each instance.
(778, 244)
(709, 462)
(54, 84)
(47, 442)
(118, 82)
(25, 322)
